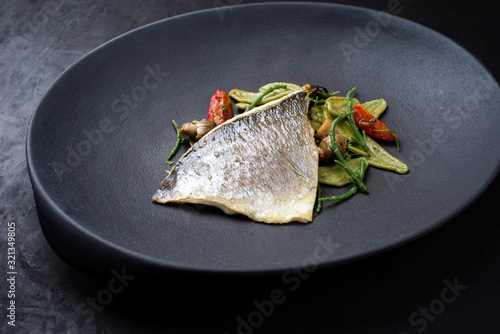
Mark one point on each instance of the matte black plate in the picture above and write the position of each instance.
(98, 140)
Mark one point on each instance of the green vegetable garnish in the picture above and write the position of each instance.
(360, 138)
(346, 195)
(341, 161)
(335, 175)
(356, 179)
(258, 99)
(180, 139)
(319, 102)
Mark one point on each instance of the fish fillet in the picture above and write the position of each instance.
(262, 164)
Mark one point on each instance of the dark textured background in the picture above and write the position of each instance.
(377, 295)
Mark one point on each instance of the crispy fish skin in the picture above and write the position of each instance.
(262, 164)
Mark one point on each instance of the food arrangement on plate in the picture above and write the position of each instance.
(268, 161)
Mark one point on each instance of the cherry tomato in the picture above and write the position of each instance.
(366, 121)
(221, 108)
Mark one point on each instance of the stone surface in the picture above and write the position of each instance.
(445, 282)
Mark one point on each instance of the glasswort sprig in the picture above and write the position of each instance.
(344, 196)
(341, 161)
(180, 139)
(360, 138)
(261, 96)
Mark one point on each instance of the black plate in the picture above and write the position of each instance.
(98, 140)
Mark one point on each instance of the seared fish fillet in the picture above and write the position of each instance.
(262, 164)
